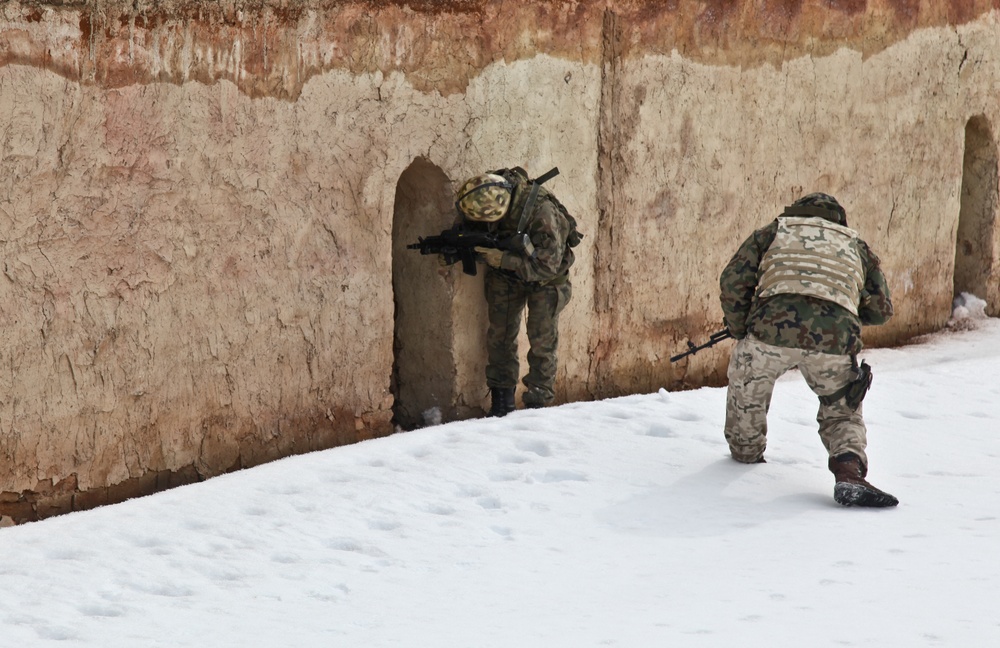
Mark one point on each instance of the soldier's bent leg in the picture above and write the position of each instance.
(841, 429)
(753, 368)
(504, 302)
(545, 303)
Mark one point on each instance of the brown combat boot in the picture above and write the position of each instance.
(851, 488)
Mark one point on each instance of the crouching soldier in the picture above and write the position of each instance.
(796, 293)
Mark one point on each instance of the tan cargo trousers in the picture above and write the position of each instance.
(753, 369)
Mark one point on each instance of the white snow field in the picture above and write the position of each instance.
(614, 523)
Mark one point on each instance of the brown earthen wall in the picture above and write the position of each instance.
(198, 201)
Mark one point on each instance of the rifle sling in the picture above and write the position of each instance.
(532, 195)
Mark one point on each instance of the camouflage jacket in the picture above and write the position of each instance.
(798, 321)
(548, 230)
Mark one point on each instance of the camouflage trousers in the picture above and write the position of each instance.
(506, 298)
(753, 369)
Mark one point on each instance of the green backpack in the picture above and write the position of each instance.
(519, 177)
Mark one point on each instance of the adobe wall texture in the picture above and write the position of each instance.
(204, 206)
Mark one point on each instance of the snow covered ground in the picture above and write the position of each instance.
(614, 523)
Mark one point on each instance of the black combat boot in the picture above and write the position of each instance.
(534, 399)
(503, 401)
(851, 488)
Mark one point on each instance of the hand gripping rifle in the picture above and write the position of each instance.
(715, 338)
(457, 244)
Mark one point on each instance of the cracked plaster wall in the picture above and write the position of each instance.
(197, 199)
(723, 148)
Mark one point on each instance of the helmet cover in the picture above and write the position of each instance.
(823, 201)
(484, 198)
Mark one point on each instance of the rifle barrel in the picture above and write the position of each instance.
(713, 339)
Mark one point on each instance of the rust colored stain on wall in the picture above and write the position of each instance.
(273, 47)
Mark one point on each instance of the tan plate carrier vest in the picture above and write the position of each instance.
(815, 257)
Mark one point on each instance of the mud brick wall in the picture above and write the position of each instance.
(205, 205)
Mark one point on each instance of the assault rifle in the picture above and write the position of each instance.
(457, 244)
(715, 338)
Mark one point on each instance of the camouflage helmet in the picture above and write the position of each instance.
(484, 198)
(823, 201)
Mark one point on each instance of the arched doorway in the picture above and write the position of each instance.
(439, 338)
(976, 266)
(423, 367)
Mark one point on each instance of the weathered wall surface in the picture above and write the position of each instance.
(205, 205)
(729, 146)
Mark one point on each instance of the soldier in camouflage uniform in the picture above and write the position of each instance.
(533, 274)
(796, 293)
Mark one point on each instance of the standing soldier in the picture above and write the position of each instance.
(796, 293)
(533, 273)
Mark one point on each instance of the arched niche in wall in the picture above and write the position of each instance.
(439, 339)
(423, 368)
(976, 240)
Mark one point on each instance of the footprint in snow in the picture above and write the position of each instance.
(540, 448)
(470, 490)
(383, 525)
(101, 610)
(550, 476)
(502, 531)
(504, 475)
(421, 452)
(490, 503)
(660, 431)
